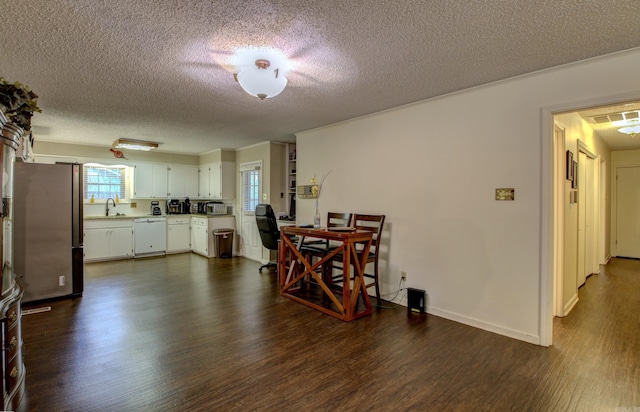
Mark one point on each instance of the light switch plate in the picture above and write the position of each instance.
(505, 193)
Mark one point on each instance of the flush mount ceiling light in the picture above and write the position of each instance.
(132, 144)
(261, 72)
(632, 129)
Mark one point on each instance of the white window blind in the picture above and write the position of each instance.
(104, 182)
(250, 189)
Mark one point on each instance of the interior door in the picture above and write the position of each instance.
(588, 202)
(251, 178)
(628, 212)
(591, 222)
(582, 221)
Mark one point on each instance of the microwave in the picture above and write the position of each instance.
(216, 208)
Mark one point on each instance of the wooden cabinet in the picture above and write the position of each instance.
(199, 235)
(150, 181)
(217, 181)
(178, 234)
(12, 364)
(106, 239)
(183, 181)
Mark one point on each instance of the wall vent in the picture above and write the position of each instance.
(615, 117)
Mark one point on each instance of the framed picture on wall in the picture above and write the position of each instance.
(569, 165)
(574, 182)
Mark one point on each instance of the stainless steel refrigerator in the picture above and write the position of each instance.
(48, 232)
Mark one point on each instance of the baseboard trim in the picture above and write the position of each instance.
(570, 305)
(490, 327)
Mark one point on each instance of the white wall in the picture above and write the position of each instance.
(432, 169)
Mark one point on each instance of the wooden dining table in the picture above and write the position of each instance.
(298, 269)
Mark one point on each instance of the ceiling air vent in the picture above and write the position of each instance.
(615, 117)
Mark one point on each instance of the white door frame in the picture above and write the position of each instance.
(558, 227)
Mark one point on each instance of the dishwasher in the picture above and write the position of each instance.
(149, 236)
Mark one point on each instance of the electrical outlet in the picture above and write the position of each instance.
(61, 281)
(403, 276)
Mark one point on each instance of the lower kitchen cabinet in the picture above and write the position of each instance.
(108, 239)
(178, 234)
(202, 239)
(200, 235)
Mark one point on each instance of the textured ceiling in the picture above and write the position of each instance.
(160, 70)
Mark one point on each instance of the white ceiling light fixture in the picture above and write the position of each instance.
(261, 72)
(132, 144)
(632, 128)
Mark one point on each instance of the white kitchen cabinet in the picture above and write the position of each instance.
(120, 242)
(106, 239)
(202, 239)
(183, 181)
(199, 235)
(217, 181)
(178, 234)
(150, 181)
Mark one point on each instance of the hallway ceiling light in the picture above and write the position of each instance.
(132, 144)
(632, 129)
(261, 72)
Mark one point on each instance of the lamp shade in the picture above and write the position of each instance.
(261, 72)
(262, 83)
(632, 130)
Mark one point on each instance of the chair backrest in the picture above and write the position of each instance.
(335, 219)
(267, 226)
(372, 223)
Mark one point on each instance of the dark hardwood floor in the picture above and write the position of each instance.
(185, 333)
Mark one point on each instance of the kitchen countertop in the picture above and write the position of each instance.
(138, 216)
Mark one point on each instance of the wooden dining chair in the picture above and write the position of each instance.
(319, 249)
(334, 219)
(373, 224)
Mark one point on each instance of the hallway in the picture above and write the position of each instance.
(599, 340)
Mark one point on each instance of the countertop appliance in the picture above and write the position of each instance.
(215, 208)
(201, 208)
(48, 231)
(186, 206)
(174, 206)
(155, 208)
(149, 236)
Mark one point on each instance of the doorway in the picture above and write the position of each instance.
(627, 218)
(251, 181)
(578, 227)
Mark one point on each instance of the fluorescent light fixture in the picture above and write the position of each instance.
(132, 144)
(261, 72)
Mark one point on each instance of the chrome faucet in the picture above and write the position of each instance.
(107, 206)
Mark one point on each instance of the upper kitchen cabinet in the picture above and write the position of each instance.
(183, 181)
(217, 180)
(150, 181)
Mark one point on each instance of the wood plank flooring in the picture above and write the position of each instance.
(186, 333)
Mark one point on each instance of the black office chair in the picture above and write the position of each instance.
(269, 233)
